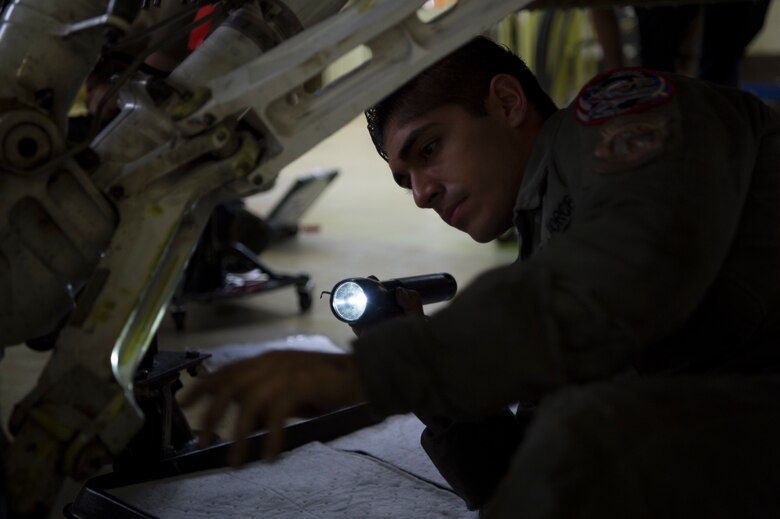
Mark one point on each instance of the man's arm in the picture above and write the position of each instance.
(649, 236)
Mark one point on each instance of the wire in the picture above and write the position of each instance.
(135, 65)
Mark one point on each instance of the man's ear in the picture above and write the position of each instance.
(507, 95)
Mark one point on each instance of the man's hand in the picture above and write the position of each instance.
(409, 301)
(273, 387)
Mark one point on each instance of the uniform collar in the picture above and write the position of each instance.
(527, 216)
(529, 197)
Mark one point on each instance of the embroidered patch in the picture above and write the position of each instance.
(561, 217)
(621, 92)
(631, 141)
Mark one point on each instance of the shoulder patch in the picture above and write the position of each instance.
(620, 92)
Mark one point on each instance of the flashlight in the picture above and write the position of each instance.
(366, 300)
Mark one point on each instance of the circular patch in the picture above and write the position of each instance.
(621, 92)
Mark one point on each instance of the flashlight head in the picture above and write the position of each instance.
(361, 301)
(349, 301)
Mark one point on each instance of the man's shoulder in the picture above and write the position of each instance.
(621, 92)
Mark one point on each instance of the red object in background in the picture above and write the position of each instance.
(198, 34)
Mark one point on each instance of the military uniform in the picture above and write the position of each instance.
(643, 316)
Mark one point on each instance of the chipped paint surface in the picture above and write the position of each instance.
(364, 6)
(155, 210)
(102, 315)
(104, 312)
(245, 159)
(184, 107)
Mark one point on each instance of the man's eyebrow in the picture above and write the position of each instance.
(410, 140)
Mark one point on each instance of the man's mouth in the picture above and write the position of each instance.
(452, 213)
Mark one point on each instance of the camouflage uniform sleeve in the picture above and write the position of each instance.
(658, 194)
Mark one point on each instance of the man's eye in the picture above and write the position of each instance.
(428, 150)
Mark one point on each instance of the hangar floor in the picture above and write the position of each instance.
(366, 225)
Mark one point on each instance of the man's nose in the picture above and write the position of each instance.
(424, 189)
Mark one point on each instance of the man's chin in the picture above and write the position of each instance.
(484, 235)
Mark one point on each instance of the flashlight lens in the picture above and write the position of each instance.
(349, 301)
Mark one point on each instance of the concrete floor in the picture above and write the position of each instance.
(366, 225)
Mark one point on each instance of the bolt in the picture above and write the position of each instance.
(221, 135)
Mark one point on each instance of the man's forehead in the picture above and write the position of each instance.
(402, 123)
(399, 138)
(409, 116)
(398, 129)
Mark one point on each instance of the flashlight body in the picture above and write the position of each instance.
(378, 300)
(433, 288)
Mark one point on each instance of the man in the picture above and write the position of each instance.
(642, 321)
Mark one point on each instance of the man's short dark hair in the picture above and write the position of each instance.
(461, 78)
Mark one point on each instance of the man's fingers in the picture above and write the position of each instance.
(275, 421)
(238, 374)
(237, 452)
(214, 413)
(268, 389)
(252, 416)
(275, 415)
(207, 384)
(410, 301)
(194, 394)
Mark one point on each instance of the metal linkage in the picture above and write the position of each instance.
(275, 89)
(162, 192)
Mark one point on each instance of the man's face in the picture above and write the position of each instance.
(466, 168)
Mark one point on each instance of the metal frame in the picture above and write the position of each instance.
(94, 500)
